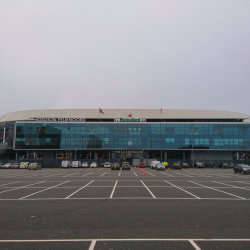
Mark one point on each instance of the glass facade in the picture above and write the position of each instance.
(234, 136)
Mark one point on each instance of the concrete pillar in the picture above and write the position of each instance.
(113, 155)
(222, 156)
(75, 155)
(37, 154)
(56, 154)
(146, 154)
(184, 156)
(4, 131)
(203, 155)
(16, 155)
(95, 155)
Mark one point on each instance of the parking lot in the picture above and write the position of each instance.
(102, 209)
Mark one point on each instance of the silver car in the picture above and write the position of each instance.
(85, 165)
(7, 165)
(160, 166)
(93, 165)
(107, 164)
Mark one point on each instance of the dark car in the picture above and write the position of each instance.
(242, 168)
(125, 166)
(115, 165)
(223, 165)
(198, 165)
(176, 166)
(184, 165)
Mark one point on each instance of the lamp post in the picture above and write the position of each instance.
(192, 147)
(82, 141)
(70, 147)
(67, 145)
(160, 141)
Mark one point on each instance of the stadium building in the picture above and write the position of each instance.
(88, 134)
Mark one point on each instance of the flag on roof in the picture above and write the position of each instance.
(161, 110)
(100, 111)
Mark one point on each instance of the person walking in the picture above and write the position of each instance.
(213, 165)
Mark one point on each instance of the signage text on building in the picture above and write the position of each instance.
(130, 120)
(49, 119)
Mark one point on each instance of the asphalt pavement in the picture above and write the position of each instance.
(136, 209)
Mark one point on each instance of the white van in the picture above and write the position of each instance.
(76, 164)
(153, 164)
(66, 164)
(22, 164)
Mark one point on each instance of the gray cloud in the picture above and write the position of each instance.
(125, 54)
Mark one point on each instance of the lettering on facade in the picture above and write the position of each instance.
(130, 120)
(128, 152)
(59, 119)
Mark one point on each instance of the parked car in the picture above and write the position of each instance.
(7, 165)
(76, 164)
(176, 166)
(35, 166)
(93, 165)
(15, 165)
(65, 164)
(198, 165)
(85, 165)
(223, 165)
(107, 164)
(22, 165)
(160, 166)
(1, 165)
(153, 164)
(125, 166)
(184, 165)
(142, 165)
(116, 165)
(242, 168)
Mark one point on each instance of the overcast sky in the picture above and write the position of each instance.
(125, 54)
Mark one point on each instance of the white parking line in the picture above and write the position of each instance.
(182, 190)
(245, 188)
(167, 174)
(78, 190)
(92, 245)
(148, 189)
(104, 173)
(194, 245)
(42, 190)
(133, 239)
(71, 174)
(135, 173)
(184, 174)
(119, 174)
(87, 174)
(21, 187)
(218, 190)
(151, 174)
(9, 183)
(113, 190)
